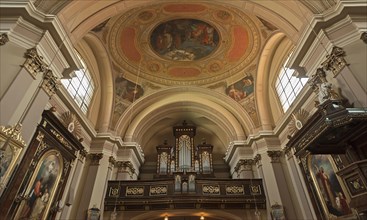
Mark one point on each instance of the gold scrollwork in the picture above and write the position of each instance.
(14, 133)
(211, 189)
(114, 192)
(134, 191)
(158, 190)
(235, 190)
(61, 139)
(255, 189)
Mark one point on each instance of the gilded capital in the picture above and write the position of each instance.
(34, 63)
(112, 161)
(82, 154)
(50, 83)
(364, 37)
(3, 39)
(14, 133)
(257, 159)
(275, 156)
(95, 158)
(288, 152)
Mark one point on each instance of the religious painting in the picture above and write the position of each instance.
(126, 90)
(241, 89)
(328, 187)
(184, 39)
(42, 187)
(10, 150)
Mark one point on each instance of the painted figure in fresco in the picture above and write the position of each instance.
(126, 90)
(241, 89)
(184, 39)
(248, 86)
(235, 94)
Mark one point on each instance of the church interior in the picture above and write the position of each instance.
(183, 110)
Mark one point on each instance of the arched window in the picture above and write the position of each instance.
(288, 86)
(80, 86)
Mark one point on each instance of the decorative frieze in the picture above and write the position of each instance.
(95, 158)
(61, 138)
(275, 156)
(34, 63)
(4, 39)
(50, 83)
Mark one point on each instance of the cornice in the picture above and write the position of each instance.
(320, 21)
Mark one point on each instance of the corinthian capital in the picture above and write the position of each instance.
(50, 83)
(3, 39)
(34, 63)
(275, 156)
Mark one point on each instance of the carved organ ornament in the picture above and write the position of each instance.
(184, 156)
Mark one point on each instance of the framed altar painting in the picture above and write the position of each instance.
(10, 148)
(42, 187)
(328, 186)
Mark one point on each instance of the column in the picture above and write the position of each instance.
(94, 182)
(276, 183)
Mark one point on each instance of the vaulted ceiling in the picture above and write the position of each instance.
(158, 63)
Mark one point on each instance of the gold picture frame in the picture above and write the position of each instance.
(11, 146)
(42, 187)
(329, 188)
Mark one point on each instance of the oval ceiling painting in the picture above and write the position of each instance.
(184, 39)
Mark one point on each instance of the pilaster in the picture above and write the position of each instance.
(303, 205)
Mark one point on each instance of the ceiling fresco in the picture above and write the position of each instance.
(184, 39)
(184, 44)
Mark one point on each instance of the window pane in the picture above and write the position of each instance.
(288, 86)
(80, 87)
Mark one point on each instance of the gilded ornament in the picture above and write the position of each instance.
(4, 39)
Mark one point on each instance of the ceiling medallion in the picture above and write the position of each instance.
(183, 43)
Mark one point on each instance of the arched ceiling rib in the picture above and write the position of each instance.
(202, 102)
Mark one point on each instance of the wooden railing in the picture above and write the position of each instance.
(202, 193)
